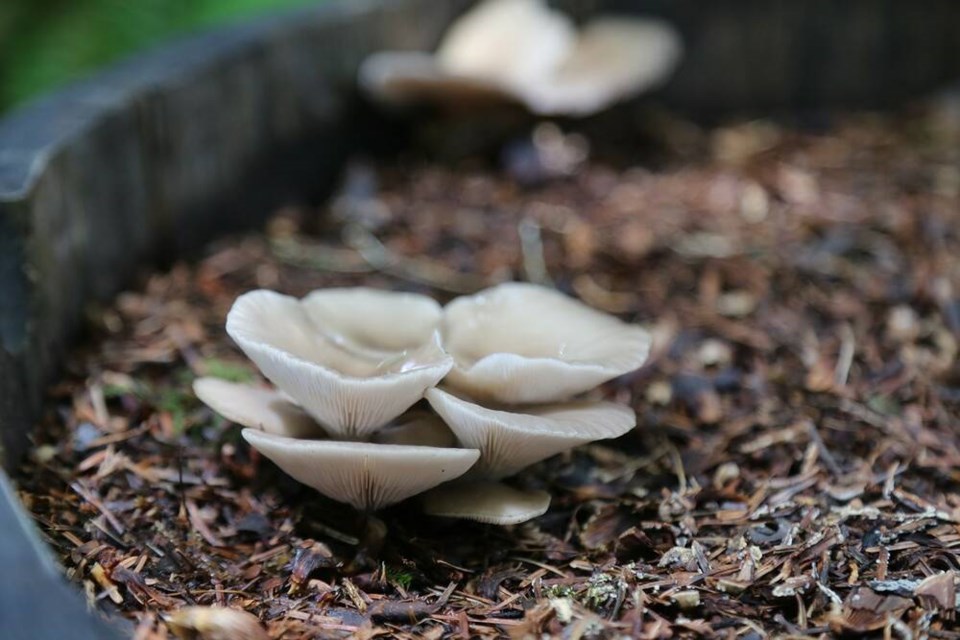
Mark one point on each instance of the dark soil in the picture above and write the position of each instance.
(796, 466)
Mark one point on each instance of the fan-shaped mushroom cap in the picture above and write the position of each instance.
(522, 343)
(510, 441)
(352, 358)
(614, 59)
(256, 407)
(489, 502)
(365, 475)
(510, 42)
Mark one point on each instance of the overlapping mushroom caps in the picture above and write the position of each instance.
(349, 363)
(354, 359)
(523, 51)
(509, 440)
(521, 343)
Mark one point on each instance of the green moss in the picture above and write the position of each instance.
(559, 591)
(228, 370)
(49, 42)
(174, 396)
(399, 577)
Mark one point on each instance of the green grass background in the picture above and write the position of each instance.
(44, 43)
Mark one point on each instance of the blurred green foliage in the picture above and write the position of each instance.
(44, 43)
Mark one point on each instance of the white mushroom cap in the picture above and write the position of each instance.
(352, 358)
(256, 407)
(510, 441)
(614, 59)
(523, 51)
(365, 475)
(489, 502)
(523, 343)
(510, 42)
(487, 56)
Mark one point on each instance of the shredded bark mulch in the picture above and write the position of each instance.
(795, 467)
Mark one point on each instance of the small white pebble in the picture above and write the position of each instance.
(754, 203)
(687, 599)
(903, 324)
(714, 353)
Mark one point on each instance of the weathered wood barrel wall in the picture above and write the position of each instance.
(148, 159)
(145, 161)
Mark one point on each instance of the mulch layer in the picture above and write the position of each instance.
(796, 465)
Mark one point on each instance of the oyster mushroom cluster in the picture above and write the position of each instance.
(525, 52)
(348, 365)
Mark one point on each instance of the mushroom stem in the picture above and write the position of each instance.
(373, 534)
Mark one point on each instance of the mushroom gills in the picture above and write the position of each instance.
(367, 476)
(510, 440)
(339, 357)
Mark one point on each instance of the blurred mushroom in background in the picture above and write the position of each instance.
(523, 52)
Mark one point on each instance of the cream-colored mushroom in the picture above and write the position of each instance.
(489, 502)
(354, 359)
(256, 407)
(614, 59)
(366, 475)
(523, 343)
(508, 42)
(523, 51)
(509, 441)
(484, 54)
(348, 362)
